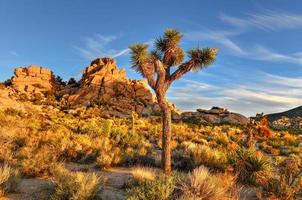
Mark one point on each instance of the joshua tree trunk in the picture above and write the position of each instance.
(166, 138)
(166, 135)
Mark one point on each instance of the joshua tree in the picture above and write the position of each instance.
(157, 67)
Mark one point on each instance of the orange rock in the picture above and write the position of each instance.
(32, 79)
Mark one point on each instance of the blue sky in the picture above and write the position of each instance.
(258, 69)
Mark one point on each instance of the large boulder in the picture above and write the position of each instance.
(32, 80)
(215, 115)
(104, 84)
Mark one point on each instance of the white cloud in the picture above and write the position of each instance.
(267, 93)
(262, 53)
(254, 52)
(97, 46)
(267, 20)
(222, 38)
(13, 53)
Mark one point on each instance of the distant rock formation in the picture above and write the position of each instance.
(32, 80)
(215, 115)
(104, 84)
(291, 119)
(292, 113)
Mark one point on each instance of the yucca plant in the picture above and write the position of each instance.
(252, 167)
(288, 183)
(157, 67)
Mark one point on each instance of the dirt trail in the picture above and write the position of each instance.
(115, 180)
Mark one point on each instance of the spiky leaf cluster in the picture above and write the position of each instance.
(167, 53)
(202, 57)
(139, 56)
(170, 39)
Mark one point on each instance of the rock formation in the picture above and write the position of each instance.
(32, 80)
(8, 99)
(215, 115)
(104, 84)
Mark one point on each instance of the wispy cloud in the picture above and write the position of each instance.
(267, 93)
(13, 53)
(262, 53)
(220, 37)
(266, 20)
(253, 51)
(98, 46)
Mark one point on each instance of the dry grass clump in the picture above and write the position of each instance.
(75, 185)
(143, 174)
(9, 178)
(205, 155)
(161, 188)
(201, 184)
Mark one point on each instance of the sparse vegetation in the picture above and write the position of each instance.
(75, 185)
(200, 184)
(33, 143)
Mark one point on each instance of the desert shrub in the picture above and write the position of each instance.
(9, 179)
(205, 155)
(12, 112)
(137, 159)
(108, 154)
(2, 118)
(200, 184)
(75, 185)
(159, 189)
(252, 167)
(107, 126)
(36, 163)
(289, 181)
(264, 128)
(222, 139)
(289, 139)
(143, 174)
(91, 127)
(182, 161)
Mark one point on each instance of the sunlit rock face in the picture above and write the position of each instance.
(104, 84)
(32, 79)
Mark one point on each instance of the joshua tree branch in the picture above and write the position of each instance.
(161, 76)
(182, 69)
(148, 72)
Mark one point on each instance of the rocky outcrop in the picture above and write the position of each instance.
(32, 80)
(8, 99)
(215, 115)
(104, 84)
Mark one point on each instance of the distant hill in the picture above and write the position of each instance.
(293, 113)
